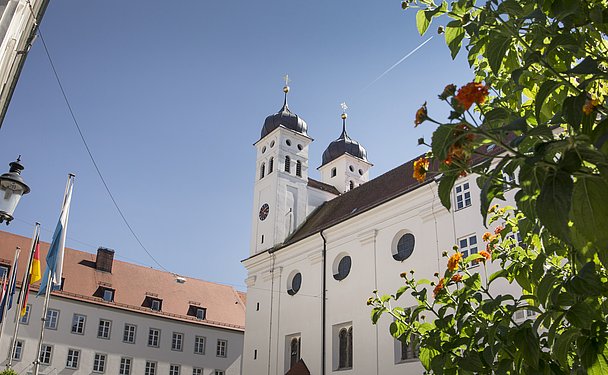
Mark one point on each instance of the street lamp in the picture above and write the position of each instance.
(12, 187)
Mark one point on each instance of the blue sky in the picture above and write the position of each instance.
(172, 95)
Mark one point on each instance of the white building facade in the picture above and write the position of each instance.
(307, 290)
(127, 319)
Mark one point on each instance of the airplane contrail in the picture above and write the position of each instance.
(397, 63)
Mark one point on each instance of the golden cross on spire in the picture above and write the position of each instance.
(344, 108)
(286, 87)
(286, 79)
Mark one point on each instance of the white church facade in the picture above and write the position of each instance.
(319, 249)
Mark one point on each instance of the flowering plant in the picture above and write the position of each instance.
(536, 109)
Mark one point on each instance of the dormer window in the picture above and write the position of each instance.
(108, 295)
(197, 311)
(155, 304)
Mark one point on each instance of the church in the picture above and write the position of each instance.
(319, 247)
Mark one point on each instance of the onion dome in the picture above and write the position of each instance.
(344, 145)
(284, 117)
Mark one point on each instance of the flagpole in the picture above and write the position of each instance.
(25, 288)
(45, 307)
(9, 290)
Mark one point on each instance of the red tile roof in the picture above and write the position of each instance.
(225, 306)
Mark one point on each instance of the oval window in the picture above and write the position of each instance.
(294, 284)
(361, 172)
(288, 142)
(351, 168)
(263, 149)
(405, 247)
(272, 144)
(343, 268)
(300, 147)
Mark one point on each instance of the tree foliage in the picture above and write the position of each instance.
(540, 88)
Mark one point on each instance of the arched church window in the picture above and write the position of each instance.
(352, 185)
(345, 353)
(294, 353)
(299, 168)
(333, 172)
(262, 170)
(287, 164)
(270, 165)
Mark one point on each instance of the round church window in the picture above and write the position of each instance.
(295, 283)
(404, 247)
(343, 268)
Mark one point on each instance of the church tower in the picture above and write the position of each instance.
(280, 191)
(345, 164)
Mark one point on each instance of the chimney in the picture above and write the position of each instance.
(104, 260)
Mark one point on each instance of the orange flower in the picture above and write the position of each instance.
(421, 166)
(485, 254)
(457, 278)
(590, 105)
(470, 93)
(453, 261)
(498, 229)
(486, 236)
(438, 288)
(448, 91)
(421, 115)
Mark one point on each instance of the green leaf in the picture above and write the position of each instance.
(529, 341)
(600, 367)
(426, 355)
(422, 22)
(441, 141)
(400, 291)
(562, 345)
(499, 44)
(546, 286)
(546, 89)
(587, 66)
(454, 34)
(590, 213)
(446, 183)
(554, 202)
(572, 110)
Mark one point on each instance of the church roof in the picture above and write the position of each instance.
(343, 145)
(284, 117)
(323, 186)
(299, 369)
(134, 284)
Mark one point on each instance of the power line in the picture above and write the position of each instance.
(103, 180)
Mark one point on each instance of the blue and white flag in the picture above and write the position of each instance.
(54, 258)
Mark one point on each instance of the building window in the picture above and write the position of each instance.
(99, 363)
(333, 172)
(150, 368)
(288, 142)
(262, 170)
(73, 358)
(294, 351)
(222, 346)
(270, 165)
(463, 196)
(410, 351)
(351, 184)
(255, 354)
(25, 319)
(197, 371)
(345, 348)
(3, 271)
(468, 246)
(509, 181)
(287, 164)
(18, 352)
(199, 345)
(52, 319)
(125, 366)
(295, 282)
(177, 341)
(128, 335)
(404, 247)
(299, 168)
(108, 295)
(174, 369)
(218, 372)
(46, 353)
(342, 268)
(154, 337)
(78, 324)
(103, 331)
(201, 313)
(155, 304)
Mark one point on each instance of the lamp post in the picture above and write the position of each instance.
(12, 187)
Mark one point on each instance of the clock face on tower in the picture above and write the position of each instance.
(264, 211)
